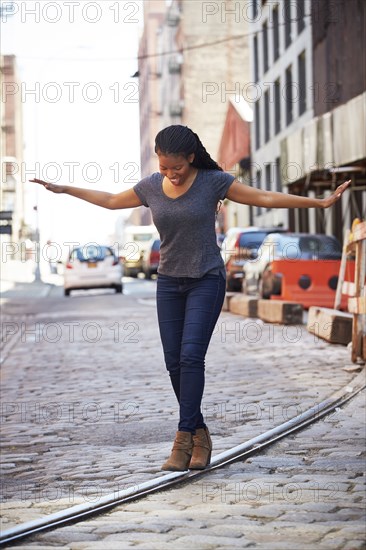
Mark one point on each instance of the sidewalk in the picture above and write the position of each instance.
(18, 281)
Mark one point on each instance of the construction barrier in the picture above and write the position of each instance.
(311, 282)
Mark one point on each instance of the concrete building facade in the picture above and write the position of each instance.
(309, 131)
(281, 55)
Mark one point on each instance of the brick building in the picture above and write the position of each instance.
(201, 69)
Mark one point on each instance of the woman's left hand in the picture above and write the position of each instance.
(334, 197)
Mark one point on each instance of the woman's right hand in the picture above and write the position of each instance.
(50, 186)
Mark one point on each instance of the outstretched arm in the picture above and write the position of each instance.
(244, 194)
(126, 199)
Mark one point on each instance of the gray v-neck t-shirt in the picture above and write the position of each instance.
(186, 224)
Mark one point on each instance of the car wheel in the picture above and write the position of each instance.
(118, 289)
(228, 289)
(276, 286)
(230, 285)
(67, 291)
(263, 292)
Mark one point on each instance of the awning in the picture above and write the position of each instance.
(235, 140)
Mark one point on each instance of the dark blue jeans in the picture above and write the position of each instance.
(188, 309)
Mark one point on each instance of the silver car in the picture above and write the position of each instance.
(258, 277)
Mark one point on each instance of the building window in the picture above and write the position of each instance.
(277, 106)
(278, 175)
(287, 16)
(276, 38)
(268, 173)
(300, 15)
(257, 123)
(266, 116)
(288, 96)
(254, 9)
(265, 47)
(258, 184)
(301, 66)
(256, 63)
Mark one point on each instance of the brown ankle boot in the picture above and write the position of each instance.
(181, 453)
(202, 447)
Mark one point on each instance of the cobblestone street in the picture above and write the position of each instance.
(87, 409)
(183, 275)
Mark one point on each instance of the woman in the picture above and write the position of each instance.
(183, 197)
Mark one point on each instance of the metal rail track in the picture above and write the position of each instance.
(83, 511)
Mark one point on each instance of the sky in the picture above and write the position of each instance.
(75, 61)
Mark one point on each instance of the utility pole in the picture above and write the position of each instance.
(37, 272)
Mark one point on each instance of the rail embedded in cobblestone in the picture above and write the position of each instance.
(167, 481)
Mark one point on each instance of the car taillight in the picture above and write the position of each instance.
(69, 266)
(154, 256)
(237, 248)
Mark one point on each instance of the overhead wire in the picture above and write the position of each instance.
(169, 52)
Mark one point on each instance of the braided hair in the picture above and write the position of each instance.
(181, 140)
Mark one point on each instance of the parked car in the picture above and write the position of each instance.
(230, 253)
(150, 261)
(239, 246)
(92, 266)
(259, 275)
(136, 240)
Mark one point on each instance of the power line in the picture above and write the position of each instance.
(162, 54)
